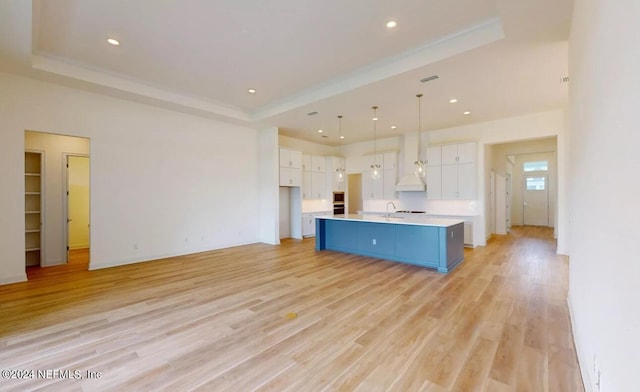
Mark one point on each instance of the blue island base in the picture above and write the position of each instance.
(433, 246)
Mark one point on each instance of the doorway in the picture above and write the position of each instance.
(536, 200)
(54, 234)
(354, 203)
(77, 211)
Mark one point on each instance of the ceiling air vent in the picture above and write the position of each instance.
(428, 79)
(312, 113)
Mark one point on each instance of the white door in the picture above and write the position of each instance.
(536, 200)
(285, 215)
(77, 202)
(508, 199)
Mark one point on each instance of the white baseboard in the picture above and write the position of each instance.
(582, 361)
(13, 279)
(78, 246)
(95, 265)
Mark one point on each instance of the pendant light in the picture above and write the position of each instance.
(340, 170)
(420, 165)
(375, 168)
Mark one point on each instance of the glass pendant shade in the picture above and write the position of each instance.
(420, 170)
(375, 172)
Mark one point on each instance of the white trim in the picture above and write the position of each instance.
(13, 279)
(65, 205)
(582, 362)
(142, 259)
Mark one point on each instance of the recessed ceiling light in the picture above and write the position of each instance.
(453, 100)
(252, 91)
(391, 24)
(467, 113)
(113, 41)
(320, 131)
(341, 137)
(394, 126)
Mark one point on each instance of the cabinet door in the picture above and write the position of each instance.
(450, 154)
(306, 162)
(468, 233)
(389, 161)
(449, 182)
(466, 181)
(308, 225)
(285, 160)
(285, 176)
(318, 185)
(389, 180)
(467, 152)
(434, 156)
(367, 186)
(318, 164)
(378, 187)
(296, 159)
(434, 182)
(307, 188)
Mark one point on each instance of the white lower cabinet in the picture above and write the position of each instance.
(468, 234)
(309, 222)
(468, 226)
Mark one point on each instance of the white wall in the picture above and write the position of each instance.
(268, 180)
(603, 173)
(54, 147)
(307, 147)
(166, 182)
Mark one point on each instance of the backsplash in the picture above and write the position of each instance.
(316, 205)
(415, 201)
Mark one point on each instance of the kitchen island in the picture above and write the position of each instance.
(427, 242)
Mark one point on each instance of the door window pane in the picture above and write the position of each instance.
(536, 166)
(536, 183)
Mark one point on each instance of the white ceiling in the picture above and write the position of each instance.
(498, 57)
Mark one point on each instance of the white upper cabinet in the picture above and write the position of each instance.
(459, 153)
(306, 162)
(450, 154)
(318, 164)
(314, 178)
(434, 182)
(451, 171)
(434, 156)
(385, 187)
(467, 152)
(290, 167)
(290, 158)
(389, 160)
(290, 176)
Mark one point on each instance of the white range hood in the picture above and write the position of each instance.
(409, 182)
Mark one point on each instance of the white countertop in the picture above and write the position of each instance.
(427, 214)
(408, 220)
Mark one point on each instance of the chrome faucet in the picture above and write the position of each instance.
(387, 208)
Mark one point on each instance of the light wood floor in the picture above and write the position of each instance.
(285, 318)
